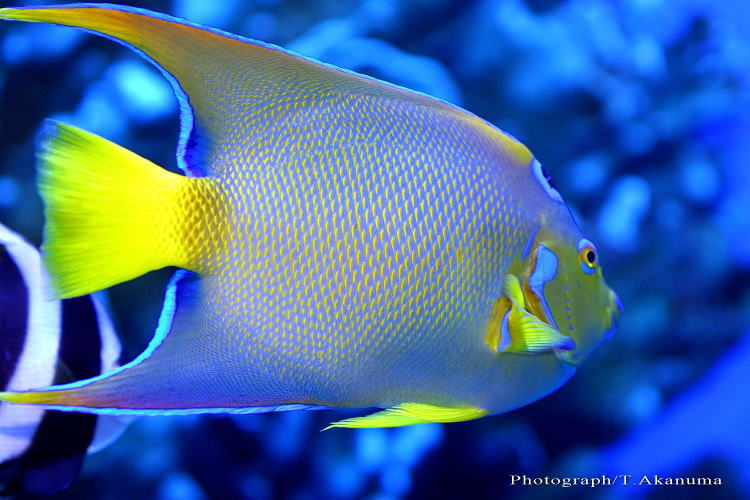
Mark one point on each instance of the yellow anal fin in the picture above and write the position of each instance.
(410, 414)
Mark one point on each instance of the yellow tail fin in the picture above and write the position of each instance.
(111, 215)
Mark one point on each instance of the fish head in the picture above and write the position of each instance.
(563, 285)
(562, 280)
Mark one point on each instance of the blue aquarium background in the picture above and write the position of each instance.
(639, 109)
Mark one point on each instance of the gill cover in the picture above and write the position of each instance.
(514, 329)
(561, 285)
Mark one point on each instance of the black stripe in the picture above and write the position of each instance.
(56, 454)
(80, 342)
(59, 446)
(14, 312)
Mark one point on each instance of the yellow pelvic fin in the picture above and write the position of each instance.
(410, 414)
(112, 215)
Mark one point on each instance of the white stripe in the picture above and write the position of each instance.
(108, 427)
(36, 364)
(8, 237)
(111, 348)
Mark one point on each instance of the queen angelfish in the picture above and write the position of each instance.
(344, 242)
(45, 342)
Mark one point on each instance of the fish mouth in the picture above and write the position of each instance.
(614, 316)
(616, 301)
(615, 311)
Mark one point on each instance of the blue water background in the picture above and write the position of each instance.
(637, 108)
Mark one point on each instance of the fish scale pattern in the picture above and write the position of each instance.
(199, 244)
(363, 235)
(355, 237)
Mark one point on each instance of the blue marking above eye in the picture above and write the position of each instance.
(545, 180)
(545, 270)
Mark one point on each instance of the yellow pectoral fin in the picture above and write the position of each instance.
(512, 290)
(410, 414)
(531, 335)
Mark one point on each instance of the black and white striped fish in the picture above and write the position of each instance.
(45, 342)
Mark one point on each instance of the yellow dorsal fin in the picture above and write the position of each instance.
(232, 88)
(410, 414)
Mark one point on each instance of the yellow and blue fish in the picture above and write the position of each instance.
(344, 242)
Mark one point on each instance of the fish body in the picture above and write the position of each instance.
(346, 243)
(44, 342)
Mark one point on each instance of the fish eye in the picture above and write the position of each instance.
(590, 256)
(587, 256)
(545, 180)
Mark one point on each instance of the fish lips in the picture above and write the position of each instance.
(615, 314)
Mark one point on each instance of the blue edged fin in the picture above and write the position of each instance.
(230, 87)
(522, 332)
(410, 414)
(176, 374)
